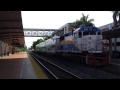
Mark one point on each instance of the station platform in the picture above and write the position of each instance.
(20, 66)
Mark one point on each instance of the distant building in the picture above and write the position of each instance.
(62, 30)
(106, 27)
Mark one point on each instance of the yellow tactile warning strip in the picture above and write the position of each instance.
(39, 72)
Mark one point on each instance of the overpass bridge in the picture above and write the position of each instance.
(38, 32)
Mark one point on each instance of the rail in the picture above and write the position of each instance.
(60, 73)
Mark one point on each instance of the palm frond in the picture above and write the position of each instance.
(91, 20)
(87, 17)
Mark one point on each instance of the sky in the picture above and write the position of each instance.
(56, 19)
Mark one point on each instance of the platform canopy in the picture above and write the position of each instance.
(11, 28)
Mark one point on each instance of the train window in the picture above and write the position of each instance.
(92, 33)
(80, 34)
(99, 33)
(86, 33)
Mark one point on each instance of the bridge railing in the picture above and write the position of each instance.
(38, 32)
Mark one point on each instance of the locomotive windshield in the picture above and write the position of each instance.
(99, 33)
(88, 30)
(91, 32)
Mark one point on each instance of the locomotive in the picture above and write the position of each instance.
(86, 41)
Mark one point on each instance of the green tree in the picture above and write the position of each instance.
(23, 48)
(29, 48)
(36, 42)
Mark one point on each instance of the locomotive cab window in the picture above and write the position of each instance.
(85, 33)
(98, 33)
(92, 33)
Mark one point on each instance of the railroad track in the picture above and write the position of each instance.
(55, 71)
(83, 71)
(112, 68)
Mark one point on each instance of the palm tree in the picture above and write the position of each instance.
(83, 21)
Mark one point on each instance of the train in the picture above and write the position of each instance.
(86, 41)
